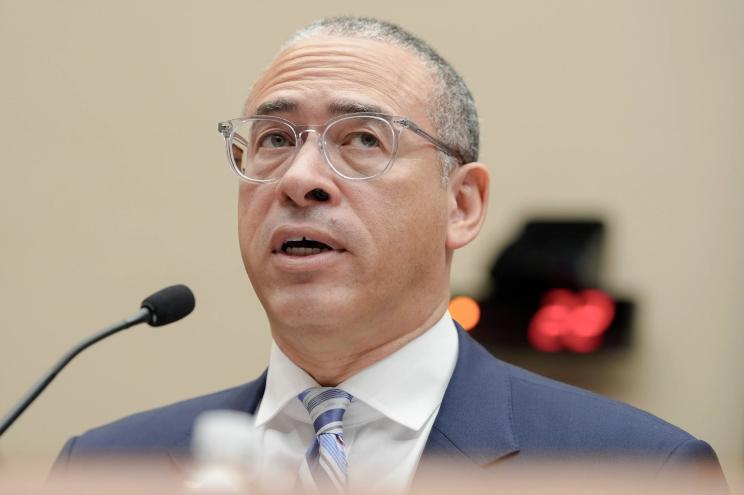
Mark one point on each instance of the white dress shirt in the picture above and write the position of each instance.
(386, 426)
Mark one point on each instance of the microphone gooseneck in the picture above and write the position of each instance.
(163, 307)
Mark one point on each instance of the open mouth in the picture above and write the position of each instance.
(304, 247)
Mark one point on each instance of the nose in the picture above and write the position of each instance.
(308, 180)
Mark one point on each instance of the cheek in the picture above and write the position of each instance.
(411, 230)
(244, 214)
(426, 234)
(250, 212)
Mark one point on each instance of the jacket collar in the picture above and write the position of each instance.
(475, 418)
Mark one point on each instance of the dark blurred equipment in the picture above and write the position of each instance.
(545, 292)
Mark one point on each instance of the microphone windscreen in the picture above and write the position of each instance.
(169, 305)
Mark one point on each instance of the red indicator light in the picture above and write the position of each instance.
(571, 320)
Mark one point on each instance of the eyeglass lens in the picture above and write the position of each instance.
(356, 147)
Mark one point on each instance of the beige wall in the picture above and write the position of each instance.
(114, 184)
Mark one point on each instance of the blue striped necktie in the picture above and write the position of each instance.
(326, 457)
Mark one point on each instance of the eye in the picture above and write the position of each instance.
(363, 140)
(274, 140)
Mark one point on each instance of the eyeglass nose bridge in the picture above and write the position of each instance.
(306, 130)
(302, 134)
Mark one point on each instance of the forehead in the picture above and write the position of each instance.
(320, 73)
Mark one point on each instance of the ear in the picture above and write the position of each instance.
(468, 198)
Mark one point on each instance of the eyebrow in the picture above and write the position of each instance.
(337, 107)
(276, 106)
(347, 106)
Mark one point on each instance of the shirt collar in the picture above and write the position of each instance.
(406, 386)
(284, 382)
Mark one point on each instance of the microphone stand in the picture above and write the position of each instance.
(141, 316)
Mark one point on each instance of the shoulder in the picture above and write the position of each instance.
(548, 417)
(552, 419)
(552, 415)
(162, 430)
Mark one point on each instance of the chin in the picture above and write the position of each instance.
(313, 308)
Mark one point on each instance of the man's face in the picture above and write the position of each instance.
(389, 264)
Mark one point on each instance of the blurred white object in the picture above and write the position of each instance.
(225, 451)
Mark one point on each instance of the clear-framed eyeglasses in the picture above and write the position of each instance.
(356, 146)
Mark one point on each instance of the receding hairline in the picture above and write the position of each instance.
(276, 105)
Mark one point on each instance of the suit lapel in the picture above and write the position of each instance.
(245, 398)
(474, 420)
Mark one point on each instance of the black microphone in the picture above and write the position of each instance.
(163, 307)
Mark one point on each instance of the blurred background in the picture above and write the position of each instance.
(114, 183)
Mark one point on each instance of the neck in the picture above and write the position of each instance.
(331, 360)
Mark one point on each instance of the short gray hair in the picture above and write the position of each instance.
(452, 109)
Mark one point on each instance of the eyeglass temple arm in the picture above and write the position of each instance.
(436, 142)
(239, 139)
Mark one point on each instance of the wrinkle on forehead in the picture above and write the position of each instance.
(392, 75)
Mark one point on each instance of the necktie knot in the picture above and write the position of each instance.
(326, 407)
(326, 457)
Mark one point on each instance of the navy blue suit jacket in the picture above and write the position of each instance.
(491, 411)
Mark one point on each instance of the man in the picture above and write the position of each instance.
(358, 158)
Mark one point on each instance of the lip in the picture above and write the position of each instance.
(311, 262)
(304, 264)
(286, 232)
